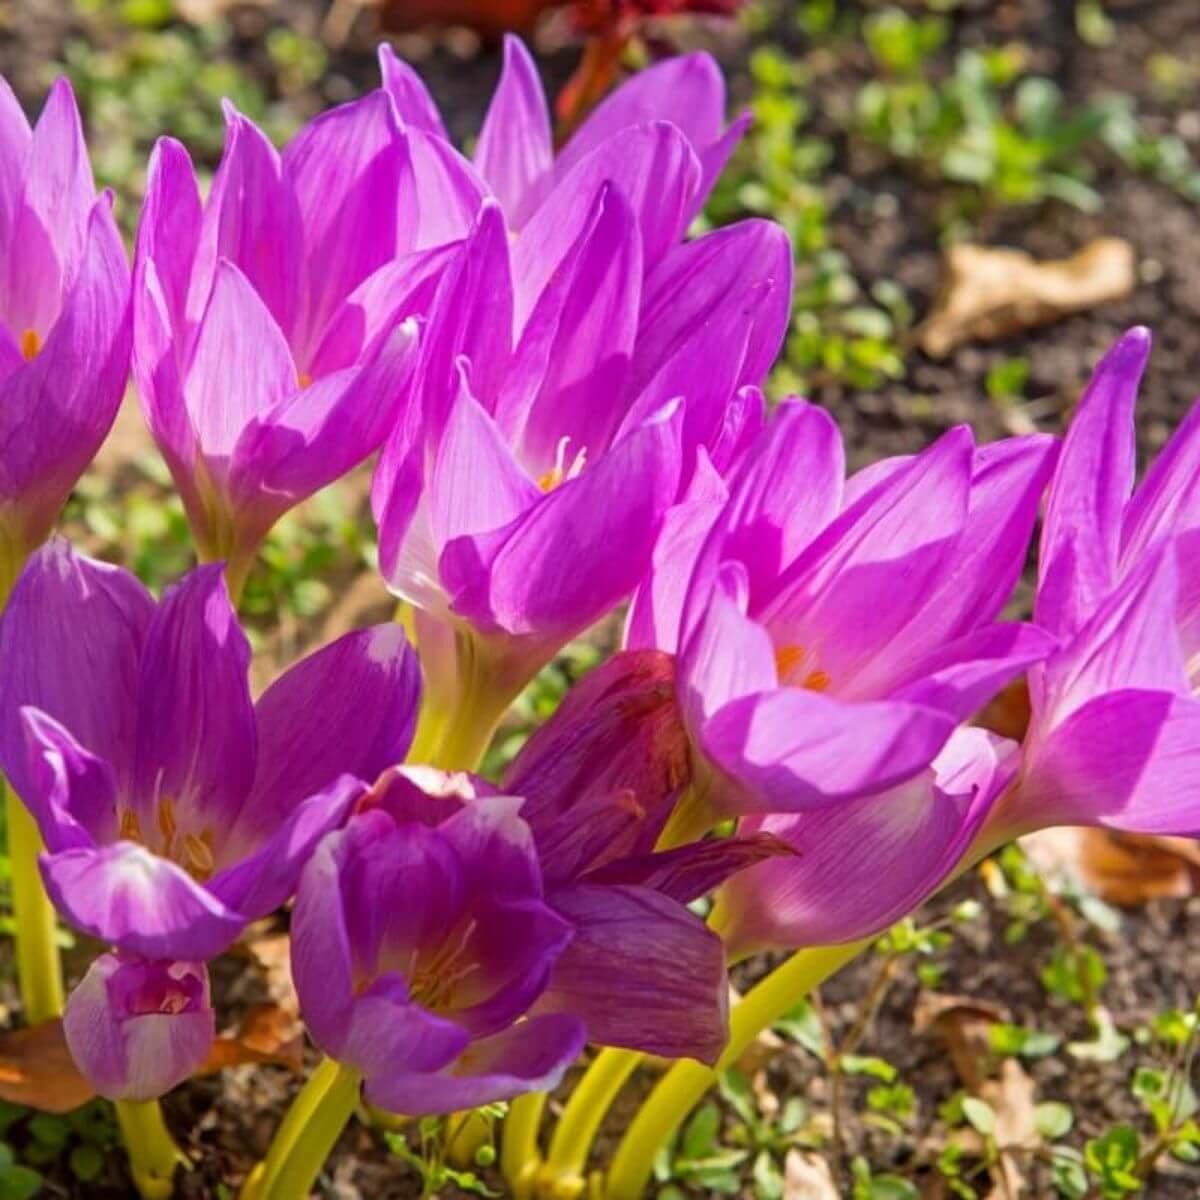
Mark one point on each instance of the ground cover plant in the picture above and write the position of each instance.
(654, 718)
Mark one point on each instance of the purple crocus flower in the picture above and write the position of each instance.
(136, 1029)
(420, 941)
(562, 398)
(64, 319)
(515, 155)
(174, 810)
(861, 865)
(270, 351)
(1114, 735)
(454, 953)
(833, 633)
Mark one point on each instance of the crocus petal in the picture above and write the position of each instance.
(515, 149)
(961, 676)
(651, 165)
(727, 655)
(413, 102)
(775, 510)
(578, 552)
(1081, 535)
(574, 352)
(448, 191)
(882, 854)
(252, 220)
(169, 232)
(348, 708)
(124, 895)
(257, 885)
(71, 794)
(532, 1056)
(352, 177)
(490, 831)
(1131, 641)
(687, 90)
(386, 1033)
(713, 160)
(656, 614)
(704, 284)
(471, 317)
(241, 364)
(476, 484)
(896, 542)
(314, 435)
(59, 407)
(1167, 501)
(15, 139)
(689, 872)
(1127, 760)
(136, 1029)
(50, 224)
(71, 618)
(195, 742)
(641, 971)
(795, 749)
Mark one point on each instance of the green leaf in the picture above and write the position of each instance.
(980, 1114)
(878, 1068)
(19, 1183)
(700, 1136)
(1052, 1120)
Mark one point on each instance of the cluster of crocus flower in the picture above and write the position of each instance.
(565, 392)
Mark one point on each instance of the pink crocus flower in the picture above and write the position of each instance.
(64, 319)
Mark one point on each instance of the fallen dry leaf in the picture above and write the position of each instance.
(962, 1022)
(1012, 1098)
(272, 952)
(993, 292)
(1120, 868)
(36, 1070)
(807, 1177)
(268, 1034)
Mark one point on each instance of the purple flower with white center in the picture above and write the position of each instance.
(515, 154)
(271, 349)
(833, 633)
(174, 809)
(1114, 734)
(420, 941)
(64, 319)
(563, 399)
(136, 1028)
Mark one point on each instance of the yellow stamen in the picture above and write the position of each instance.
(165, 816)
(198, 856)
(31, 343)
(304, 379)
(130, 828)
(550, 479)
(790, 661)
(173, 1002)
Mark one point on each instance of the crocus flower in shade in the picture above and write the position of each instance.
(136, 1028)
(420, 941)
(600, 780)
(270, 347)
(562, 402)
(1114, 734)
(620, 140)
(174, 809)
(833, 633)
(64, 319)
(861, 865)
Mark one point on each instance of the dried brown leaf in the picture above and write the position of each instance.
(1120, 868)
(962, 1022)
(993, 292)
(36, 1069)
(807, 1177)
(268, 1034)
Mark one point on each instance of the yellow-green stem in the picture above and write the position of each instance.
(39, 971)
(585, 1110)
(520, 1156)
(307, 1136)
(679, 1090)
(153, 1155)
